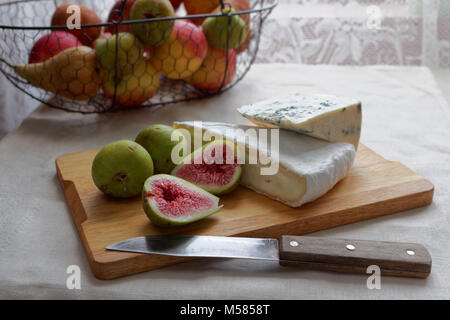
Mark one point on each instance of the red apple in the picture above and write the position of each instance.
(183, 53)
(87, 16)
(114, 16)
(135, 88)
(52, 44)
(211, 74)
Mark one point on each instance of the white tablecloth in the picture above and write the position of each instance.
(405, 119)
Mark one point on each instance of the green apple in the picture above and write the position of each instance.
(216, 31)
(129, 52)
(152, 33)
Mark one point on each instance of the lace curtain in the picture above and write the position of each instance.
(359, 32)
(347, 32)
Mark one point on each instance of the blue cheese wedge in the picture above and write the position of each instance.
(307, 167)
(325, 117)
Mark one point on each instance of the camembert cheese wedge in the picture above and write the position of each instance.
(307, 167)
(330, 118)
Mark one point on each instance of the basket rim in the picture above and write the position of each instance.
(269, 7)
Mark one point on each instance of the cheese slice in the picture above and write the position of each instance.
(307, 167)
(326, 117)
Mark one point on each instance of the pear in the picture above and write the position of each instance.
(220, 35)
(73, 73)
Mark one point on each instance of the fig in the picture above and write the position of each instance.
(214, 167)
(170, 201)
(121, 168)
(157, 140)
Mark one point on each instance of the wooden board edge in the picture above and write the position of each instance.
(72, 197)
(421, 198)
(79, 215)
(138, 263)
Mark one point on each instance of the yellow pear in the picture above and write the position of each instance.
(73, 73)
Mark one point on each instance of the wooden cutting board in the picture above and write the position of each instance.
(374, 187)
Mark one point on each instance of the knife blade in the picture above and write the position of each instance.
(340, 255)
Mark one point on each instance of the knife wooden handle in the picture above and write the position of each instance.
(355, 256)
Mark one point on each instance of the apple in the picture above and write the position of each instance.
(130, 51)
(105, 35)
(240, 5)
(135, 88)
(181, 55)
(154, 33)
(87, 16)
(114, 16)
(52, 44)
(200, 7)
(176, 4)
(215, 29)
(211, 75)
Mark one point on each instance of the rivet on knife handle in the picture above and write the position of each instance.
(354, 256)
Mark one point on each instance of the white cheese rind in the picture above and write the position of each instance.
(326, 117)
(308, 167)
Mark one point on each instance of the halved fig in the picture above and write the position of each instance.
(170, 201)
(214, 167)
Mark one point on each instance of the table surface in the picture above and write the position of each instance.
(406, 119)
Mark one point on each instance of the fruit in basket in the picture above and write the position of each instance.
(240, 5)
(114, 16)
(87, 16)
(176, 4)
(237, 5)
(51, 44)
(129, 52)
(183, 53)
(214, 72)
(214, 168)
(246, 43)
(121, 168)
(157, 140)
(216, 31)
(170, 201)
(200, 7)
(154, 33)
(133, 88)
(73, 73)
(105, 35)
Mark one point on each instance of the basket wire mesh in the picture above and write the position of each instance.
(134, 68)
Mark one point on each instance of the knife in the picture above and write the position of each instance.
(350, 256)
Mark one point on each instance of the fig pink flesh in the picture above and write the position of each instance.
(212, 170)
(175, 200)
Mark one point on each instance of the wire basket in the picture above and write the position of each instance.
(137, 62)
